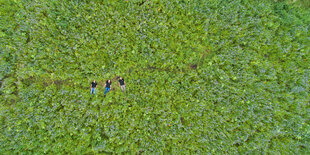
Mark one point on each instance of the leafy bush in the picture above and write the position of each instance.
(204, 76)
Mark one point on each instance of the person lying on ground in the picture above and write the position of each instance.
(107, 87)
(92, 87)
(122, 84)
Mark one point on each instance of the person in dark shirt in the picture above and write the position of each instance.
(122, 84)
(92, 87)
(107, 87)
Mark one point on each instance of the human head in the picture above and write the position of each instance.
(94, 80)
(120, 78)
(108, 81)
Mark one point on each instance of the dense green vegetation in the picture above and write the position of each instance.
(202, 76)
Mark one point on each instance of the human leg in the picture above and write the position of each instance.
(106, 90)
(92, 91)
(123, 88)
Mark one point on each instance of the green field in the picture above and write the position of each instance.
(203, 76)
